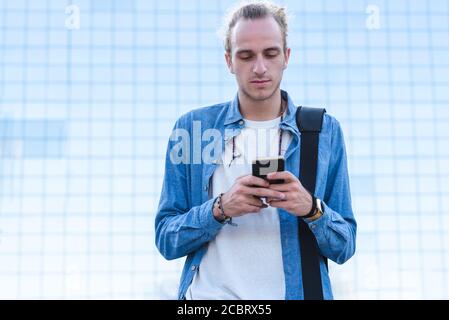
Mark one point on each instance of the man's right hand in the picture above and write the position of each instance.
(244, 196)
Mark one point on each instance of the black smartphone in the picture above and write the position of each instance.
(263, 166)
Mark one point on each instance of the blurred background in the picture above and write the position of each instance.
(89, 92)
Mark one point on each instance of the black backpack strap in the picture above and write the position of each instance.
(309, 122)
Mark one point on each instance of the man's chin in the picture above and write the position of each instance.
(260, 95)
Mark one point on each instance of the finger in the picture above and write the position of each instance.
(252, 181)
(255, 201)
(277, 203)
(285, 175)
(251, 209)
(284, 198)
(248, 199)
(252, 201)
(264, 192)
(283, 187)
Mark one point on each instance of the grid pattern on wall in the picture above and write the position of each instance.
(89, 92)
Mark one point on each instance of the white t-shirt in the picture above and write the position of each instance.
(244, 261)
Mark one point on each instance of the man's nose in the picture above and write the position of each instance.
(259, 66)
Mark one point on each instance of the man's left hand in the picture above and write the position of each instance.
(297, 201)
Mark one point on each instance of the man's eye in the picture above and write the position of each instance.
(272, 54)
(245, 57)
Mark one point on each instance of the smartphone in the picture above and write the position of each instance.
(263, 166)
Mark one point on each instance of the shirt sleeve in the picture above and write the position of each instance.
(181, 229)
(335, 231)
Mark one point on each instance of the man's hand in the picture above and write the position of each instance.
(297, 201)
(244, 196)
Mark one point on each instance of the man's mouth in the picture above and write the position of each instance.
(260, 81)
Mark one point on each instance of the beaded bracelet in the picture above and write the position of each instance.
(225, 219)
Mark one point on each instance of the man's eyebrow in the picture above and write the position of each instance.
(244, 51)
(272, 48)
(265, 50)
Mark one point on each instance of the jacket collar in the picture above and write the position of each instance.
(289, 121)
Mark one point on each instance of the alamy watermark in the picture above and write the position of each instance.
(207, 147)
(373, 19)
(72, 21)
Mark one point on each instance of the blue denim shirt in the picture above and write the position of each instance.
(185, 223)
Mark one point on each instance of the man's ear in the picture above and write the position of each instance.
(286, 57)
(229, 62)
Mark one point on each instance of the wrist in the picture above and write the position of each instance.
(218, 211)
(312, 209)
(318, 211)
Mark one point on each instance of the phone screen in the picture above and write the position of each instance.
(263, 166)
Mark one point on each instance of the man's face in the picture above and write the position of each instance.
(257, 57)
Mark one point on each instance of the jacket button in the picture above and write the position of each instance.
(241, 122)
(205, 188)
(193, 268)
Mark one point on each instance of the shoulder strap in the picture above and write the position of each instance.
(309, 122)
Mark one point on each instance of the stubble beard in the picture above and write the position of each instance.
(262, 98)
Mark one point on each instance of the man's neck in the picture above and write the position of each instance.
(260, 110)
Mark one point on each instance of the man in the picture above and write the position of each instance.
(238, 231)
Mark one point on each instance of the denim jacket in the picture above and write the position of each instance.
(184, 220)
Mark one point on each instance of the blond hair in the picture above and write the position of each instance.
(255, 10)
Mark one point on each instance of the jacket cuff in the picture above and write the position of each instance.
(208, 221)
(320, 225)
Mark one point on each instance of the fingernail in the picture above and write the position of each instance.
(282, 196)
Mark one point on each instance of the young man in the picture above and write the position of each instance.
(239, 232)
